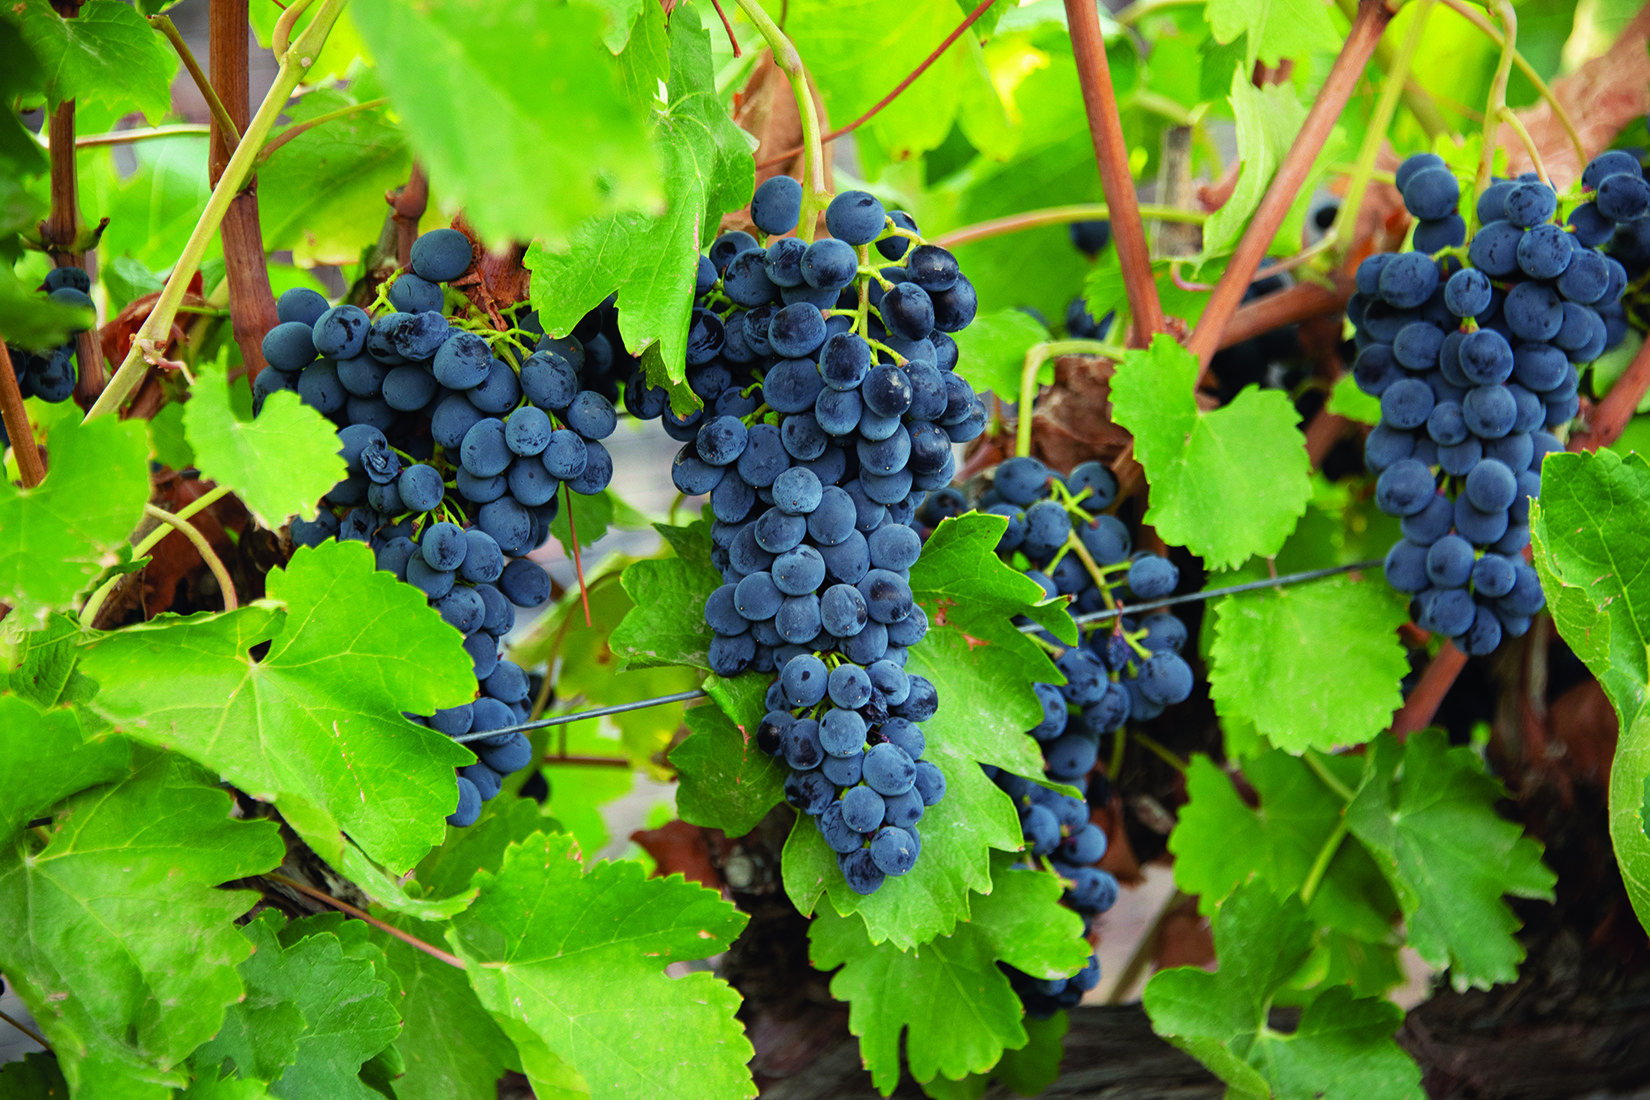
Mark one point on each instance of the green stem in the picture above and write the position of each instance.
(1035, 358)
(1314, 877)
(1416, 98)
(220, 113)
(1497, 100)
(94, 604)
(1152, 746)
(295, 62)
(1061, 215)
(1327, 777)
(1346, 219)
(148, 133)
(298, 128)
(202, 547)
(789, 61)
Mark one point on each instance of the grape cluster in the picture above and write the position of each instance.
(1613, 217)
(51, 375)
(830, 411)
(457, 440)
(1123, 669)
(1473, 363)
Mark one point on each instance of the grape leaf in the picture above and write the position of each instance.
(1311, 665)
(1591, 533)
(1219, 842)
(652, 260)
(343, 46)
(154, 209)
(620, 16)
(955, 1007)
(1347, 400)
(1276, 29)
(667, 624)
(1225, 484)
(547, 945)
(106, 54)
(113, 930)
(727, 782)
(991, 352)
(44, 756)
(1032, 1068)
(315, 1010)
(46, 672)
(279, 465)
(35, 1077)
(1104, 292)
(32, 320)
(983, 669)
(524, 153)
(315, 725)
(1341, 1050)
(1426, 812)
(58, 536)
(1268, 123)
(319, 189)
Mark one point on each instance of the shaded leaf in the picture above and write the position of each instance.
(106, 54)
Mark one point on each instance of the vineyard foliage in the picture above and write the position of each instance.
(184, 779)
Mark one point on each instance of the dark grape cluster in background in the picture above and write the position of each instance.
(51, 375)
(1475, 360)
(458, 439)
(830, 412)
(1123, 668)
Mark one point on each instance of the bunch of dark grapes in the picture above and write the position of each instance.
(1474, 363)
(1060, 535)
(458, 438)
(1613, 218)
(830, 411)
(51, 375)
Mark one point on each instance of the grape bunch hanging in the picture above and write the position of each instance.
(457, 438)
(1473, 349)
(1061, 535)
(51, 375)
(830, 412)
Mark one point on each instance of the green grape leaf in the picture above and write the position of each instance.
(47, 659)
(389, 891)
(315, 1010)
(106, 54)
(954, 1005)
(983, 668)
(1426, 812)
(448, 869)
(1591, 533)
(1311, 665)
(1347, 400)
(991, 352)
(153, 210)
(1034, 1067)
(1342, 1048)
(651, 260)
(1268, 123)
(31, 320)
(279, 464)
(1276, 29)
(1219, 842)
(726, 782)
(667, 624)
(315, 726)
(317, 191)
(449, 1044)
(546, 945)
(36, 1077)
(44, 757)
(1104, 292)
(114, 933)
(58, 536)
(620, 16)
(525, 156)
(1227, 484)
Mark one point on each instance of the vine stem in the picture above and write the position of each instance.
(1331, 844)
(1060, 215)
(813, 149)
(1035, 358)
(16, 419)
(1435, 682)
(1497, 98)
(1609, 417)
(145, 133)
(1367, 27)
(295, 61)
(407, 938)
(26, 1030)
(1363, 169)
(220, 113)
(1479, 20)
(308, 124)
(1111, 153)
(202, 547)
(1153, 746)
(1510, 117)
(94, 603)
(899, 88)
